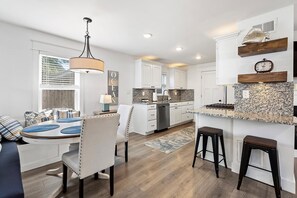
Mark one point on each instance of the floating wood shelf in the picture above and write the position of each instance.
(263, 77)
(277, 45)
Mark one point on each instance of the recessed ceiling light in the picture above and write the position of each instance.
(198, 57)
(179, 49)
(147, 35)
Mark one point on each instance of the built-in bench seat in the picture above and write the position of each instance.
(10, 172)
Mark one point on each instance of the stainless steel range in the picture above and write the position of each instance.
(221, 106)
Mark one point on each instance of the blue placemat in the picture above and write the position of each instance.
(71, 130)
(68, 120)
(41, 128)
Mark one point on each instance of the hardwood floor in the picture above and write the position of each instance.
(151, 173)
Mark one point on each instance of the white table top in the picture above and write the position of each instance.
(52, 136)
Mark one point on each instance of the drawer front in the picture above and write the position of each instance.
(151, 107)
(183, 103)
(174, 104)
(190, 103)
(151, 115)
(151, 125)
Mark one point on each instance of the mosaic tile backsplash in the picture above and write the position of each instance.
(272, 98)
(175, 94)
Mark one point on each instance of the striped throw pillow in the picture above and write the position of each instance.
(10, 128)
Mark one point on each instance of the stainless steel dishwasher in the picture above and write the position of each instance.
(163, 116)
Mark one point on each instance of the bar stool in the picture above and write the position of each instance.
(267, 145)
(215, 134)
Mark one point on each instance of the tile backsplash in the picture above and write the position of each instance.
(273, 98)
(175, 94)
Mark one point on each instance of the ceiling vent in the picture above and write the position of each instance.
(267, 27)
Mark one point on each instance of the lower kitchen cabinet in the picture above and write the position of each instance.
(178, 112)
(144, 118)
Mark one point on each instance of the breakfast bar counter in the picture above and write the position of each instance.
(262, 117)
(237, 125)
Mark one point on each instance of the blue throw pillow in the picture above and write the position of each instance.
(10, 128)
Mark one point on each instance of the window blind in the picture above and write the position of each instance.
(55, 71)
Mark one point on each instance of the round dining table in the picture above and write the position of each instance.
(51, 132)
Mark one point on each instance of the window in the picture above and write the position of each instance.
(59, 87)
(163, 85)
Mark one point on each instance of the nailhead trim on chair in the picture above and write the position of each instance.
(128, 125)
(82, 134)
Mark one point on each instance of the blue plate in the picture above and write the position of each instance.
(68, 120)
(40, 128)
(71, 130)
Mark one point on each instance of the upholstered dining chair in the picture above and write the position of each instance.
(123, 131)
(96, 150)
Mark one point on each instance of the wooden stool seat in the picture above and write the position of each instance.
(216, 135)
(267, 145)
(210, 131)
(261, 142)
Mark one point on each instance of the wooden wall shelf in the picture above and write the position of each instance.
(263, 77)
(277, 45)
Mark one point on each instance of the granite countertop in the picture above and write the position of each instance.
(271, 118)
(161, 102)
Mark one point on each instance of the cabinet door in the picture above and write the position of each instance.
(183, 79)
(157, 75)
(177, 79)
(146, 75)
(178, 115)
(172, 116)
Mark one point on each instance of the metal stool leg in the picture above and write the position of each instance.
(215, 153)
(223, 150)
(204, 145)
(245, 156)
(275, 171)
(196, 148)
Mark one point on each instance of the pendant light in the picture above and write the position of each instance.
(86, 62)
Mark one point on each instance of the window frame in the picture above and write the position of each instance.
(41, 87)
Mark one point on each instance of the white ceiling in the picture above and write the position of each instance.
(119, 24)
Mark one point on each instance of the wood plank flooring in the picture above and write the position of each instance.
(151, 173)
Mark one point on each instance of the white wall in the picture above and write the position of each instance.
(194, 79)
(19, 70)
(229, 64)
(283, 61)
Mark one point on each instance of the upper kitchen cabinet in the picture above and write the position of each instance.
(226, 59)
(147, 74)
(178, 79)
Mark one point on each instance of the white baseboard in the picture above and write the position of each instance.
(265, 177)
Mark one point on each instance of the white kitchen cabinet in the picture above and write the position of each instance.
(147, 74)
(178, 79)
(185, 115)
(178, 112)
(144, 118)
(227, 59)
